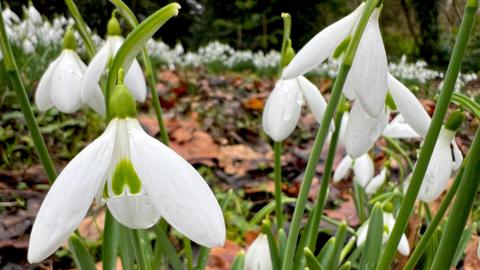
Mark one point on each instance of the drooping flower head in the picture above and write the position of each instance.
(134, 78)
(59, 86)
(140, 180)
(284, 105)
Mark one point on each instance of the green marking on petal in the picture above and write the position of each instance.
(125, 176)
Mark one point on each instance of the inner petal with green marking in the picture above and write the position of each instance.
(124, 176)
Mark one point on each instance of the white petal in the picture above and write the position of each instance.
(343, 128)
(363, 169)
(362, 234)
(258, 255)
(321, 46)
(362, 130)
(176, 189)
(457, 155)
(282, 110)
(368, 75)
(400, 131)
(314, 98)
(69, 198)
(343, 168)
(409, 106)
(376, 182)
(135, 82)
(65, 83)
(42, 96)
(134, 211)
(403, 246)
(90, 90)
(439, 168)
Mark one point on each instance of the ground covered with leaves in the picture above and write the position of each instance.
(214, 122)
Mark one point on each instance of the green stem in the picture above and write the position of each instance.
(322, 135)
(396, 146)
(277, 146)
(139, 251)
(467, 103)
(359, 199)
(16, 84)
(432, 135)
(82, 28)
(426, 236)
(110, 241)
(188, 253)
(167, 248)
(312, 233)
(460, 209)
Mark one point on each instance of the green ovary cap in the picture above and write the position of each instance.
(388, 207)
(455, 120)
(122, 103)
(69, 41)
(113, 26)
(288, 54)
(125, 176)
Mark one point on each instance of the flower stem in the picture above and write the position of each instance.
(322, 135)
(277, 146)
(110, 242)
(461, 208)
(16, 84)
(396, 146)
(312, 233)
(82, 28)
(431, 137)
(426, 236)
(140, 253)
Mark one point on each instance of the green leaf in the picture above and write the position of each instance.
(272, 244)
(239, 261)
(312, 262)
(373, 243)
(80, 253)
(326, 252)
(135, 41)
(467, 234)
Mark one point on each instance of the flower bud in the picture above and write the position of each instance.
(455, 120)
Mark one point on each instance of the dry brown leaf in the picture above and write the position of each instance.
(239, 159)
(92, 226)
(346, 212)
(471, 261)
(221, 258)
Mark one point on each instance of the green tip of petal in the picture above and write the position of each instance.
(122, 103)
(125, 176)
(69, 41)
(113, 26)
(455, 120)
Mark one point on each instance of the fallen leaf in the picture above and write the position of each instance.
(221, 258)
(239, 159)
(346, 212)
(471, 261)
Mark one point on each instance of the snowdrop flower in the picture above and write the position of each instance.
(10, 17)
(441, 163)
(33, 15)
(283, 106)
(367, 79)
(134, 79)
(388, 223)
(362, 130)
(376, 182)
(28, 47)
(138, 177)
(363, 169)
(59, 86)
(398, 128)
(409, 107)
(258, 255)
